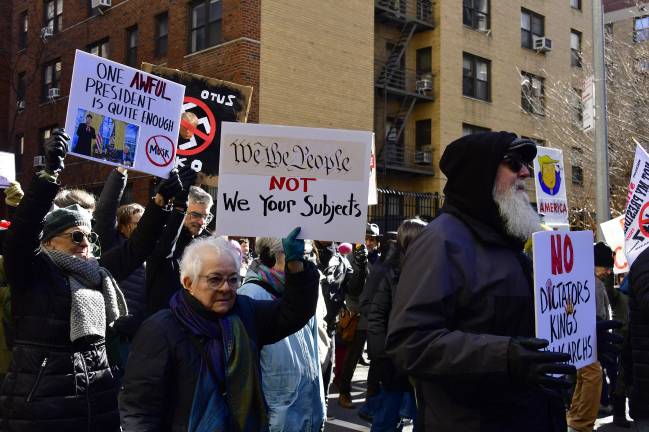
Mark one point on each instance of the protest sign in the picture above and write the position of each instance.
(550, 183)
(613, 231)
(119, 115)
(636, 217)
(372, 195)
(207, 103)
(274, 178)
(564, 293)
(7, 169)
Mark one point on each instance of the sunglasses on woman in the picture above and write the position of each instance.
(515, 163)
(78, 236)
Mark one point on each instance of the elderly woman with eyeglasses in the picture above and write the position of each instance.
(195, 367)
(63, 300)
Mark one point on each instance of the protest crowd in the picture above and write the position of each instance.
(138, 318)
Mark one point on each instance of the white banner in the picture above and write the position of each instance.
(274, 178)
(550, 182)
(613, 231)
(588, 104)
(372, 195)
(119, 115)
(564, 293)
(7, 169)
(636, 217)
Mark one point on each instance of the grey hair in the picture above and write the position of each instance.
(191, 263)
(199, 196)
(274, 245)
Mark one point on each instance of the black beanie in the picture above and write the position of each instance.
(603, 255)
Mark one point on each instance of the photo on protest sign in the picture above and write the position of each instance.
(105, 138)
(207, 103)
(613, 231)
(7, 169)
(550, 182)
(636, 216)
(274, 178)
(119, 115)
(564, 293)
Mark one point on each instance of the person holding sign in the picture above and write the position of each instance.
(85, 134)
(462, 320)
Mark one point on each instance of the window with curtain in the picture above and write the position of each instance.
(532, 24)
(205, 24)
(475, 77)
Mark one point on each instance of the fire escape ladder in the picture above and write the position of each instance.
(392, 74)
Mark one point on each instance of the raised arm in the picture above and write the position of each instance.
(105, 216)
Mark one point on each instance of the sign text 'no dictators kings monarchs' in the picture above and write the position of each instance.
(274, 178)
(564, 293)
(119, 115)
(636, 217)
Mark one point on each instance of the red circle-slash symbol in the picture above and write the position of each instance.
(644, 220)
(207, 138)
(162, 147)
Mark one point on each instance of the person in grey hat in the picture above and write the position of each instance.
(63, 300)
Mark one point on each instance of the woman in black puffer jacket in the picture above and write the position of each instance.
(62, 301)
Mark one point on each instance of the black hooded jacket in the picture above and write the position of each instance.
(465, 290)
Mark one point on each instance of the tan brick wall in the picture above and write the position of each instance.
(317, 63)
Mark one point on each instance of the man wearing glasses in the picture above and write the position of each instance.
(188, 220)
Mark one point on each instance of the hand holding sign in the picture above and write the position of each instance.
(528, 364)
(56, 148)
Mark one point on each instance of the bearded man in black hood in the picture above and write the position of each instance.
(462, 321)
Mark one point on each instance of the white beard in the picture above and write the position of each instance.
(521, 220)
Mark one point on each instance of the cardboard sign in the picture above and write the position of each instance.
(274, 178)
(208, 102)
(636, 217)
(613, 231)
(373, 195)
(7, 169)
(550, 181)
(118, 115)
(564, 293)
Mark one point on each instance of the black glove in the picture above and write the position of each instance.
(528, 365)
(608, 343)
(187, 179)
(360, 255)
(171, 186)
(56, 147)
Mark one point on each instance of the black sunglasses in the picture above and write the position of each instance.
(515, 163)
(78, 236)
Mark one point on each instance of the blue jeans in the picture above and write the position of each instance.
(386, 416)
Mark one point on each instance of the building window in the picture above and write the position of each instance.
(532, 93)
(532, 24)
(131, 46)
(424, 62)
(99, 48)
(21, 91)
(53, 15)
(475, 14)
(641, 29)
(469, 129)
(475, 73)
(161, 34)
(423, 134)
(576, 168)
(51, 78)
(575, 48)
(575, 4)
(205, 24)
(23, 23)
(19, 149)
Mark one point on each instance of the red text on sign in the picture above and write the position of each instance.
(290, 183)
(561, 255)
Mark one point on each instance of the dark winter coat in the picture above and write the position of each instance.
(164, 362)
(639, 337)
(52, 383)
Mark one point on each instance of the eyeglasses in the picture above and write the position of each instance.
(216, 281)
(78, 236)
(514, 162)
(198, 216)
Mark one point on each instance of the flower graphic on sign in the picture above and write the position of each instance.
(549, 175)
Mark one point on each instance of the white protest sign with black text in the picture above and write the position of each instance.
(7, 169)
(274, 178)
(550, 183)
(613, 231)
(564, 293)
(636, 217)
(118, 115)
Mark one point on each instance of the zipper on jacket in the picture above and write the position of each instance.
(38, 380)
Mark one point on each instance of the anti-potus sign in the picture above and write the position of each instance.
(636, 216)
(122, 116)
(550, 184)
(274, 178)
(564, 293)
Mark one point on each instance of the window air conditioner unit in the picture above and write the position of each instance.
(54, 92)
(20, 105)
(101, 3)
(47, 32)
(39, 161)
(423, 157)
(542, 44)
(424, 85)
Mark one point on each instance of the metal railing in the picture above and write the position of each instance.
(395, 206)
(399, 155)
(407, 80)
(420, 10)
